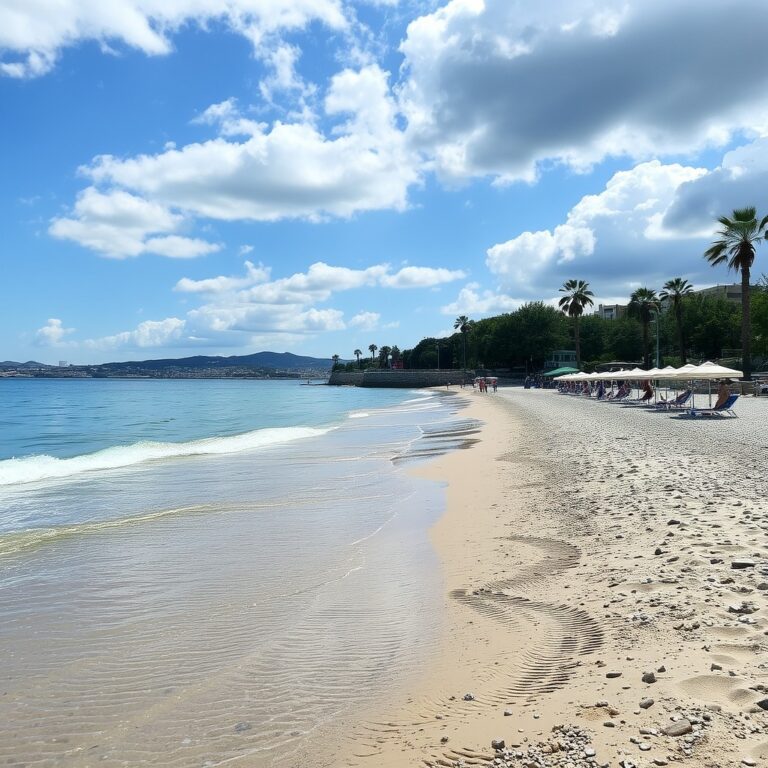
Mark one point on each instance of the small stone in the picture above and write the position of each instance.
(662, 668)
(763, 704)
(444, 740)
(646, 703)
(645, 746)
(589, 752)
(742, 563)
(498, 744)
(680, 728)
(612, 675)
(507, 713)
(649, 677)
(748, 761)
(609, 724)
(714, 667)
(468, 697)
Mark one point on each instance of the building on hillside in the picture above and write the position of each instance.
(560, 358)
(611, 311)
(730, 292)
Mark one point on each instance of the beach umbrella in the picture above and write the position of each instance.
(711, 370)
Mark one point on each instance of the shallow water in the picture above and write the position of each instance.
(203, 607)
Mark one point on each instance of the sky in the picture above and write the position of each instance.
(182, 177)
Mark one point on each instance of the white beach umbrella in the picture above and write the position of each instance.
(711, 370)
(686, 372)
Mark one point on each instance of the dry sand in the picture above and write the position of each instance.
(584, 545)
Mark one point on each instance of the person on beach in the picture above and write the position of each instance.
(723, 393)
(647, 391)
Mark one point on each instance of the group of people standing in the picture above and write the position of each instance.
(482, 384)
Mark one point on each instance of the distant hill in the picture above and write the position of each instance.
(11, 365)
(281, 360)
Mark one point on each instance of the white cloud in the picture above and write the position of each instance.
(365, 321)
(213, 285)
(472, 300)
(290, 170)
(33, 32)
(613, 238)
(422, 277)
(150, 333)
(120, 225)
(52, 333)
(502, 87)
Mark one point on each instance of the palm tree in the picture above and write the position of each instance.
(463, 324)
(358, 353)
(335, 359)
(642, 304)
(384, 353)
(577, 296)
(736, 248)
(673, 291)
(372, 349)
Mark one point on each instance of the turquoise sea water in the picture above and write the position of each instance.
(209, 571)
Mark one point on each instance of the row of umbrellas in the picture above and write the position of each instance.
(688, 372)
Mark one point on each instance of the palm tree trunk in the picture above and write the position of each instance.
(746, 325)
(680, 331)
(577, 340)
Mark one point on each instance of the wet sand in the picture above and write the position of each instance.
(605, 569)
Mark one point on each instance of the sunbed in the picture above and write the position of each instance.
(678, 402)
(726, 409)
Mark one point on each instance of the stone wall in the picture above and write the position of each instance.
(401, 379)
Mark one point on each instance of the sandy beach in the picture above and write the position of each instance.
(606, 576)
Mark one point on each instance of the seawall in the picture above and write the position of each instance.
(399, 378)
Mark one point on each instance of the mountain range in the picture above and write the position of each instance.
(280, 360)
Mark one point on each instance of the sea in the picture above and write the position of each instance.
(210, 572)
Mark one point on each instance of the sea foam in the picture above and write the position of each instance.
(31, 469)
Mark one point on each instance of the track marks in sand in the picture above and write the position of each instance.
(543, 646)
(552, 638)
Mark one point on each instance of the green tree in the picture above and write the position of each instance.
(736, 248)
(372, 349)
(577, 297)
(536, 330)
(384, 353)
(623, 340)
(462, 325)
(642, 305)
(358, 354)
(592, 337)
(673, 291)
(335, 359)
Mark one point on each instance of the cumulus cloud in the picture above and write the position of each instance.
(422, 277)
(32, 33)
(222, 284)
(612, 239)
(501, 87)
(150, 333)
(365, 321)
(52, 333)
(288, 170)
(472, 300)
(120, 225)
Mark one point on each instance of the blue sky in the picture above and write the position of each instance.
(196, 177)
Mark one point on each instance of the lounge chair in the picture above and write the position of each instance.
(726, 409)
(677, 402)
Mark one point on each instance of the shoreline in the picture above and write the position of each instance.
(577, 565)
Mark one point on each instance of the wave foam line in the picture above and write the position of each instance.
(31, 469)
(17, 541)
